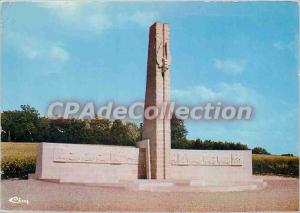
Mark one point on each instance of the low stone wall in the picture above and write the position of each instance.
(88, 163)
(104, 163)
(234, 165)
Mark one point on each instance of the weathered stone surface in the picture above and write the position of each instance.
(211, 165)
(87, 163)
(157, 94)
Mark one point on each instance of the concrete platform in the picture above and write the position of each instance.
(174, 185)
(194, 186)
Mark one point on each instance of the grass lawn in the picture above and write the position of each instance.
(19, 150)
(275, 165)
(18, 159)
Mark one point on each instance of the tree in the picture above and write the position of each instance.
(140, 131)
(133, 132)
(68, 131)
(119, 134)
(288, 155)
(20, 125)
(99, 131)
(178, 130)
(43, 127)
(27, 125)
(260, 150)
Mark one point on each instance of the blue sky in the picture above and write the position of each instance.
(234, 52)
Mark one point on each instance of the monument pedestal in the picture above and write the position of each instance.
(152, 165)
(174, 185)
(195, 186)
(117, 166)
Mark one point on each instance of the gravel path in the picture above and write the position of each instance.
(281, 194)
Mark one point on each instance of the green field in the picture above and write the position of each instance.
(275, 165)
(18, 160)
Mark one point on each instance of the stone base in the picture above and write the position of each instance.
(196, 186)
(173, 185)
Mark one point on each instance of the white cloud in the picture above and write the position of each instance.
(98, 22)
(96, 17)
(39, 50)
(144, 19)
(280, 45)
(236, 93)
(59, 53)
(29, 50)
(230, 66)
(77, 15)
(64, 9)
(193, 93)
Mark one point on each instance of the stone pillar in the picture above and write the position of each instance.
(158, 94)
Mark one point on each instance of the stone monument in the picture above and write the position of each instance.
(158, 94)
(153, 158)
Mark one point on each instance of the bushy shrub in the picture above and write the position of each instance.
(260, 150)
(288, 154)
(17, 167)
(18, 159)
(207, 145)
(276, 165)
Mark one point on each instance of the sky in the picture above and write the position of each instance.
(234, 52)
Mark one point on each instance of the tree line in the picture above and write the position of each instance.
(26, 125)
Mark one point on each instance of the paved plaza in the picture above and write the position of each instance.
(281, 194)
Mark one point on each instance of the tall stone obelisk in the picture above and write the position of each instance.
(158, 94)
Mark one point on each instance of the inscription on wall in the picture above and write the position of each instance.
(195, 159)
(101, 157)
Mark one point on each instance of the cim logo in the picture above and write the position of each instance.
(18, 200)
